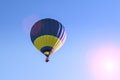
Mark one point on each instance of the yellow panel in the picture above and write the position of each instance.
(46, 53)
(57, 46)
(48, 40)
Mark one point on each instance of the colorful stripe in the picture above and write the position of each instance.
(48, 40)
(48, 35)
(47, 27)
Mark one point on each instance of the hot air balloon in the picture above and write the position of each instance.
(48, 35)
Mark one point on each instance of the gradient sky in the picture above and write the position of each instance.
(91, 25)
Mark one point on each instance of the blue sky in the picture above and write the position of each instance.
(88, 24)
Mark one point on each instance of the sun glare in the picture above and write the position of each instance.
(109, 65)
(105, 63)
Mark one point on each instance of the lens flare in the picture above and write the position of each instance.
(105, 63)
(109, 65)
(28, 23)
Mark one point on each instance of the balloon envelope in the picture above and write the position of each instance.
(48, 35)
